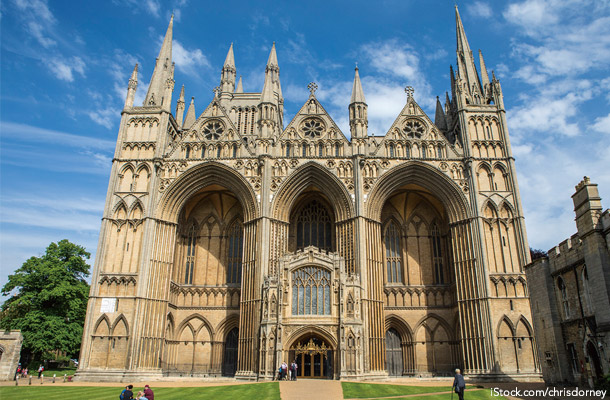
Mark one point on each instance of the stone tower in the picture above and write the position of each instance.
(231, 243)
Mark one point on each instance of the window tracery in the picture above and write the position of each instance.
(393, 253)
(235, 253)
(213, 130)
(311, 291)
(437, 252)
(191, 243)
(413, 129)
(314, 227)
(313, 128)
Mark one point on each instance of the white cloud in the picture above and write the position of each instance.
(106, 117)
(42, 135)
(64, 69)
(602, 124)
(151, 7)
(38, 20)
(479, 9)
(188, 61)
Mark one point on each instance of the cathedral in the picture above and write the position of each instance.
(233, 241)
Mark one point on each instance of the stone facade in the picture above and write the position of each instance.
(231, 242)
(570, 291)
(10, 351)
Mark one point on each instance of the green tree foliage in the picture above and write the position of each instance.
(537, 253)
(50, 301)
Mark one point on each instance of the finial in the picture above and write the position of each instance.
(409, 91)
(312, 88)
(356, 64)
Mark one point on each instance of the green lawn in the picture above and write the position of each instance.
(379, 391)
(258, 391)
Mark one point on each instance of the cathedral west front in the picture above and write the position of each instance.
(233, 240)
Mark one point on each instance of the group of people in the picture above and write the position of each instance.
(146, 394)
(283, 373)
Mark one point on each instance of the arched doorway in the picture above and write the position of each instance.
(314, 357)
(594, 360)
(393, 353)
(229, 361)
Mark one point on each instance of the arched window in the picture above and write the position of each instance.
(188, 151)
(564, 297)
(234, 150)
(320, 150)
(336, 149)
(311, 291)
(314, 227)
(218, 150)
(304, 148)
(586, 290)
(393, 253)
(203, 151)
(391, 150)
(437, 251)
(235, 247)
(287, 149)
(191, 243)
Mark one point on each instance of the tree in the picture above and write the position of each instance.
(537, 253)
(50, 304)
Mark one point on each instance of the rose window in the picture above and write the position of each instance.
(414, 129)
(213, 130)
(312, 128)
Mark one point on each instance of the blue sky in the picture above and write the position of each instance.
(65, 67)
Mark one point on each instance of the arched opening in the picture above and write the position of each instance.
(393, 353)
(209, 243)
(593, 355)
(312, 223)
(314, 357)
(229, 360)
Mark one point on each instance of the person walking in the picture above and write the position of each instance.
(284, 370)
(293, 369)
(458, 384)
(40, 369)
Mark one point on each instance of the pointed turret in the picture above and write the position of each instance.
(270, 113)
(227, 76)
(132, 87)
(162, 73)
(358, 109)
(180, 108)
(439, 119)
(240, 87)
(465, 61)
(484, 76)
(190, 115)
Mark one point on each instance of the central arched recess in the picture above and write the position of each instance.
(314, 357)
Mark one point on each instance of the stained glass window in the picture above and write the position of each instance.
(393, 253)
(311, 291)
(235, 253)
(314, 227)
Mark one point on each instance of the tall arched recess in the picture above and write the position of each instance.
(217, 207)
(424, 199)
(312, 179)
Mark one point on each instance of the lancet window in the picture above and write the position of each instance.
(236, 235)
(437, 252)
(393, 253)
(191, 244)
(314, 227)
(311, 291)
(564, 298)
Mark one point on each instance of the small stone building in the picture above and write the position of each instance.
(570, 290)
(10, 349)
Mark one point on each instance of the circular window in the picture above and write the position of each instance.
(414, 129)
(212, 130)
(312, 128)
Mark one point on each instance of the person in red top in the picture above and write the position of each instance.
(148, 393)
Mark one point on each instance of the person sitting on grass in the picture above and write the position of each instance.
(140, 396)
(148, 393)
(127, 394)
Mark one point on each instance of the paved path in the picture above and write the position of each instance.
(307, 389)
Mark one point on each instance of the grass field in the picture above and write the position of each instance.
(379, 391)
(259, 391)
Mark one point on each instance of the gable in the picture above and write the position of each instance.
(313, 123)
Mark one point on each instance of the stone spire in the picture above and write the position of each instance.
(240, 87)
(269, 107)
(358, 109)
(227, 77)
(190, 115)
(465, 61)
(132, 87)
(180, 108)
(484, 76)
(162, 73)
(439, 119)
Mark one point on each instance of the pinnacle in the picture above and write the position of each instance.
(230, 60)
(272, 61)
(357, 92)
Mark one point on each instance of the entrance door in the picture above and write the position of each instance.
(596, 367)
(314, 358)
(229, 362)
(393, 353)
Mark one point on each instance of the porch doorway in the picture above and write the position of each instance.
(314, 358)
